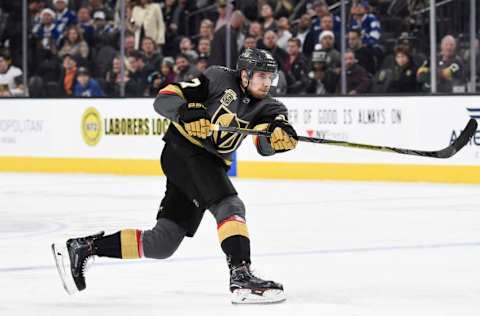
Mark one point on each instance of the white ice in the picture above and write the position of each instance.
(339, 248)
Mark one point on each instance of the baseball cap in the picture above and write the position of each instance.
(327, 33)
(99, 15)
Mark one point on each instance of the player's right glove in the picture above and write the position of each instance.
(194, 118)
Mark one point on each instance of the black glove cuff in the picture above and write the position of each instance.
(188, 114)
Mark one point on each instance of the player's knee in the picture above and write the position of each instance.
(163, 240)
(229, 206)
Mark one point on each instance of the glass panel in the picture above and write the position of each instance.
(12, 80)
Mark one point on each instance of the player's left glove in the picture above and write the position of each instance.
(283, 137)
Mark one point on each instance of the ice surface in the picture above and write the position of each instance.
(339, 248)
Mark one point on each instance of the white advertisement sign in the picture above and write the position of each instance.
(423, 123)
(131, 129)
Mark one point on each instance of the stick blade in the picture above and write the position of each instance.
(461, 141)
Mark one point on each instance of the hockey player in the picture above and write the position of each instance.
(195, 160)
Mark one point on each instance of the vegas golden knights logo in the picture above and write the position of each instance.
(226, 142)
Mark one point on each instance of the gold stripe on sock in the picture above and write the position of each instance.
(129, 244)
(231, 228)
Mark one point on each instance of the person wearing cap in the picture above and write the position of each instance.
(327, 44)
(86, 86)
(367, 23)
(46, 32)
(148, 21)
(100, 5)
(65, 17)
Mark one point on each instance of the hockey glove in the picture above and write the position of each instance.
(283, 137)
(194, 118)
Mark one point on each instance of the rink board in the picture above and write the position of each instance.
(123, 136)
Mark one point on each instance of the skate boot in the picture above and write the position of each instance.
(246, 288)
(71, 261)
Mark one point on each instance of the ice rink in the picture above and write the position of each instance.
(339, 248)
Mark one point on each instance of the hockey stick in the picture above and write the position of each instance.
(446, 152)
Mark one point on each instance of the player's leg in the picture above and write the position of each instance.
(234, 240)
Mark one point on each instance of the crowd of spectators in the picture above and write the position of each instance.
(74, 47)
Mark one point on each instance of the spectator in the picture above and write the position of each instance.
(333, 58)
(270, 44)
(105, 32)
(451, 70)
(46, 33)
(219, 45)
(74, 44)
(255, 30)
(283, 33)
(8, 75)
(316, 78)
(203, 48)
(225, 11)
(86, 24)
(402, 77)
(65, 17)
(171, 14)
(151, 55)
(202, 64)
(302, 31)
(250, 42)
(358, 80)
(185, 70)
(161, 78)
(367, 23)
(99, 5)
(363, 54)
(296, 68)
(105, 37)
(113, 81)
(139, 73)
(68, 76)
(129, 44)
(86, 86)
(323, 80)
(269, 23)
(186, 48)
(206, 30)
(148, 20)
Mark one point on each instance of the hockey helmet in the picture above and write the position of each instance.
(254, 59)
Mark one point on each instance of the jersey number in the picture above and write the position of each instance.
(195, 82)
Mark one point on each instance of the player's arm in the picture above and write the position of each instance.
(284, 136)
(183, 103)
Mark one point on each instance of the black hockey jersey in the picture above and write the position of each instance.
(218, 88)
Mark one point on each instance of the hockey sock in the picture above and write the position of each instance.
(233, 237)
(125, 244)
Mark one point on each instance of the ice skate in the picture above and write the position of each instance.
(249, 289)
(71, 261)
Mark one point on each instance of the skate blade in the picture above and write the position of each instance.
(62, 261)
(246, 296)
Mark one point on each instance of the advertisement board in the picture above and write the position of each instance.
(124, 136)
